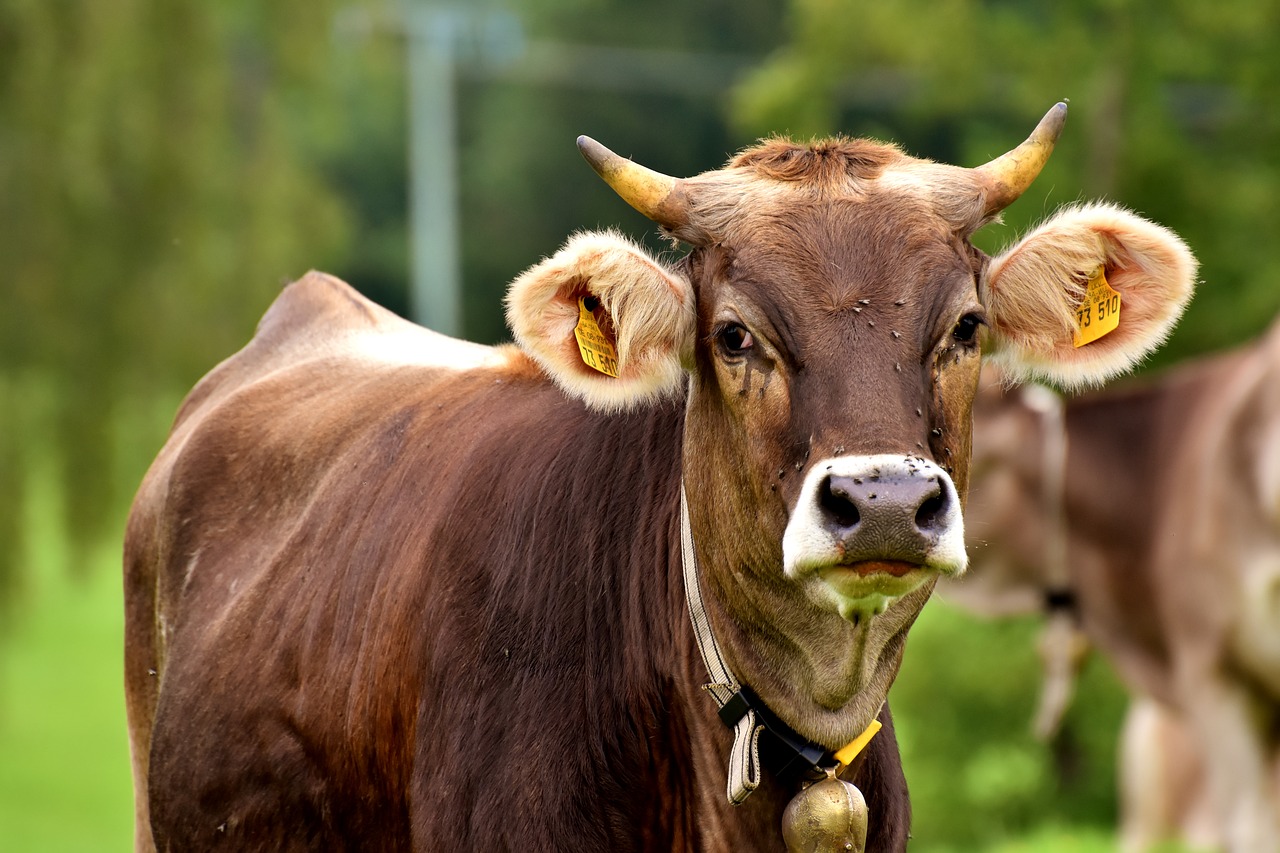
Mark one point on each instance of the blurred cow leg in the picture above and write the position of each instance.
(1232, 719)
(1163, 795)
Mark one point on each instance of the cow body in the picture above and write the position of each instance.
(388, 590)
(1171, 517)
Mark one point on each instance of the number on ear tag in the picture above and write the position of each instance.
(597, 352)
(1099, 311)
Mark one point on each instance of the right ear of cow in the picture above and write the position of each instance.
(1034, 290)
(640, 324)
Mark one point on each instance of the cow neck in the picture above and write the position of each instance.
(740, 709)
(1050, 411)
(1062, 643)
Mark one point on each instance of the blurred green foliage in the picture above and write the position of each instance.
(963, 705)
(158, 188)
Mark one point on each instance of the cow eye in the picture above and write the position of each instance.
(735, 339)
(966, 330)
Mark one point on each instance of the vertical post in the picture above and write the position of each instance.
(434, 300)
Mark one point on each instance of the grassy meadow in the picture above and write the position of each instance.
(64, 753)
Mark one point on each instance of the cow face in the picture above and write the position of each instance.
(829, 318)
(831, 387)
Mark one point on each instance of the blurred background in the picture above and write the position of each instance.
(167, 165)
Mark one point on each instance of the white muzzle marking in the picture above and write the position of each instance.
(869, 529)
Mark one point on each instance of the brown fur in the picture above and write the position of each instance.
(335, 695)
(825, 162)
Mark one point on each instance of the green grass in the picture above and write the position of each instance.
(979, 780)
(64, 752)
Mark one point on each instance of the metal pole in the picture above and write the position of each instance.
(434, 299)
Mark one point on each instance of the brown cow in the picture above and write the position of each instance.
(1165, 497)
(385, 589)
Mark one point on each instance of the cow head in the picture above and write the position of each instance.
(829, 320)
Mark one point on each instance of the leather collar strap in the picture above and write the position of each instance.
(743, 711)
(744, 758)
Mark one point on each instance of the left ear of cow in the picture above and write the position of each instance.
(643, 312)
(1033, 291)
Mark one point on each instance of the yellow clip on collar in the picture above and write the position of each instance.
(850, 750)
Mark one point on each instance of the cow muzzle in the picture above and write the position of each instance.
(867, 530)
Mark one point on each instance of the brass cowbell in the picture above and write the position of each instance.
(829, 816)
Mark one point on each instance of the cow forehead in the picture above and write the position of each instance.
(839, 264)
(776, 175)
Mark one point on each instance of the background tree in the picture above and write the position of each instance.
(156, 192)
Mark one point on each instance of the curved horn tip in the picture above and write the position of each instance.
(1009, 175)
(644, 189)
(1050, 127)
(593, 152)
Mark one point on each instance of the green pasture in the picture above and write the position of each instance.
(64, 753)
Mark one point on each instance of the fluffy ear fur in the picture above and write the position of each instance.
(645, 311)
(1032, 292)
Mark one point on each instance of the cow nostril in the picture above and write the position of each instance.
(838, 505)
(930, 510)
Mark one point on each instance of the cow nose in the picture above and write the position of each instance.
(876, 509)
(908, 505)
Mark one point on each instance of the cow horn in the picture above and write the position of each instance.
(1008, 176)
(652, 193)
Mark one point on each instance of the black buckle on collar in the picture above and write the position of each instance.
(783, 751)
(1060, 598)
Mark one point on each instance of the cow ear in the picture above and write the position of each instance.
(606, 321)
(1035, 294)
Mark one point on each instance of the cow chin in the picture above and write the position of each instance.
(867, 588)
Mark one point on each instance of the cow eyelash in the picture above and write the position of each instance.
(966, 330)
(735, 339)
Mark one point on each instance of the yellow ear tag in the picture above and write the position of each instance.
(1099, 311)
(595, 348)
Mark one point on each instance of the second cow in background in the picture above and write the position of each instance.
(1150, 516)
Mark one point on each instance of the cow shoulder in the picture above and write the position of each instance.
(320, 322)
